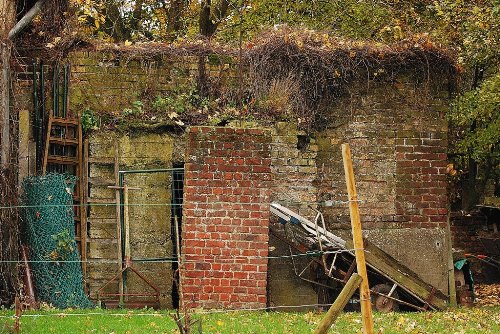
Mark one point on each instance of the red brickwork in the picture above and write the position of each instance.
(421, 187)
(226, 218)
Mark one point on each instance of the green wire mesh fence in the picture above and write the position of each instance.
(50, 235)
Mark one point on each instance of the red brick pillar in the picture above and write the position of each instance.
(226, 218)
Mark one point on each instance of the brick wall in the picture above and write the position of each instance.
(398, 136)
(226, 218)
(421, 185)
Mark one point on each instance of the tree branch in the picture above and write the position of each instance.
(26, 19)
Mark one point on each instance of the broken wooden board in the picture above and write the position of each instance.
(402, 275)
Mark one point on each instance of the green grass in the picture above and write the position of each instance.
(458, 321)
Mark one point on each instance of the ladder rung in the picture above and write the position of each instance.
(99, 181)
(63, 141)
(64, 121)
(62, 160)
(101, 240)
(101, 200)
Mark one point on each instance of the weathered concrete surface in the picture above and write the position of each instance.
(284, 286)
(149, 210)
(422, 250)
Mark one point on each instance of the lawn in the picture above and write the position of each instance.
(459, 321)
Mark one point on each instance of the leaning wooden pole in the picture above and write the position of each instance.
(339, 304)
(357, 236)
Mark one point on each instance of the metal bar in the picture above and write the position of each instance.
(42, 117)
(55, 90)
(36, 122)
(65, 91)
(158, 170)
(333, 265)
(392, 290)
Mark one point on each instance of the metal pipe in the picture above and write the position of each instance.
(36, 120)
(55, 96)
(158, 170)
(65, 91)
(43, 116)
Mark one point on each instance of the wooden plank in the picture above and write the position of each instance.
(359, 251)
(60, 121)
(339, 304)
(402, 275)
(64, 141)
(93, 200)
(61, 160)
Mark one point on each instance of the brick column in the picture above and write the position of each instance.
(226, 218)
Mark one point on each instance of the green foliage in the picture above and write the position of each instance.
(136, 109)
(89, 120)
(478, 111)
(64, 245)
(180, 101)
(471, 26)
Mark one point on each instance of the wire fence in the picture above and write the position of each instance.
(205, 258)
(305, 203)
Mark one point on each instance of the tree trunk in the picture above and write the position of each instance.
(174, 17)
(211, 15)
(7, 20)
(5, 53)
(8, 190)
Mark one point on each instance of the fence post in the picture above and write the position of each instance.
(357, 236)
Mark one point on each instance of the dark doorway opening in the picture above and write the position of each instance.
(176, 218)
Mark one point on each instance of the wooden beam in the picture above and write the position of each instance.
(339, 304)
(357, 236)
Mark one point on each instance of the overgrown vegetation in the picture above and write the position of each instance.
(470, 29)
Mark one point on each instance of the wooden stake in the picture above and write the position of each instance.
(339, 304)
(17, 322)
(357, 236)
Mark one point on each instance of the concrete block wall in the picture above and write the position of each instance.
(150, 230)
(226, 218)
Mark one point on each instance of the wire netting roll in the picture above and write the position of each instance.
(50, 235)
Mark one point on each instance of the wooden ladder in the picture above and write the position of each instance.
(63, 153)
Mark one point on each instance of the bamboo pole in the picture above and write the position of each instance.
(357, 236)
(339, 304)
